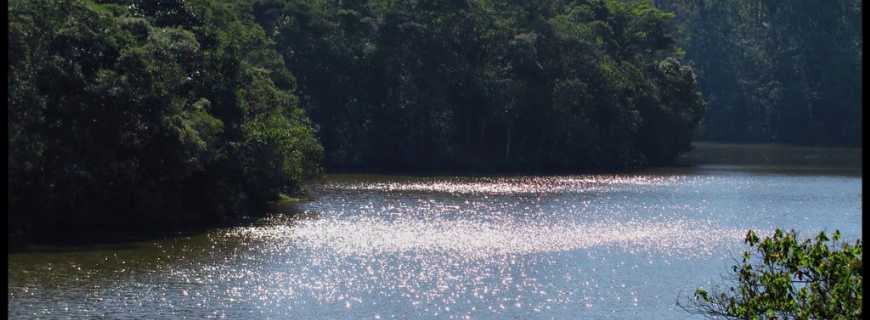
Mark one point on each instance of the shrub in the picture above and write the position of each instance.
(782, 277)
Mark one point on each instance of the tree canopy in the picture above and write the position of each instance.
(144, 113)
(775, 71)
(172, 112)
(488, 85)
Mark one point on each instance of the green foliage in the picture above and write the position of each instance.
(129, 114)
(786, 278)
(485, 85)
(776, 71)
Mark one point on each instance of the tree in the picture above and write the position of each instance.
(143, 114)
(785, 278)
(488, 85)
(775, 71)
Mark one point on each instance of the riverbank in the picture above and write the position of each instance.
(707, 153)
(704, 154)
(72, 238)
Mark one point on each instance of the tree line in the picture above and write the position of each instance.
(488, 85)
(775, 71)
(134, 113)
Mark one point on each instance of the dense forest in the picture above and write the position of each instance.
(165, 113)
(781, 71)
(488, 85)
(133, 113)
(146, 115)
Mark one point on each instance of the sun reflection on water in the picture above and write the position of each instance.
(484, 239)
(596, 246)
(466, 257)
(502, 185)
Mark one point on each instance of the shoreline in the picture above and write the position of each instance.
(714, 153)
(89, 240)
(705, 155)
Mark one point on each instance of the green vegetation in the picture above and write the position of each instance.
(146, 115)
(132, 112)
(775, 71)
(154, 114)
(488, 85)
(790, 279)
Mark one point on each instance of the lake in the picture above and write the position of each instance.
(396, 247)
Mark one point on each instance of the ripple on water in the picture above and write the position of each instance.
(504, 185)
(598, 246)
(478, 239)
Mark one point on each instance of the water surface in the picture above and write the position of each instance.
(394, 247)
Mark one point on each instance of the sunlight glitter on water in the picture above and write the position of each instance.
(484, 239)
(481, 253)
(480, 229)
(574, 247)
(506, 185)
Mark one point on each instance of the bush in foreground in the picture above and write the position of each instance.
(782, 277)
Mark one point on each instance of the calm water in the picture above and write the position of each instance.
(388, 247)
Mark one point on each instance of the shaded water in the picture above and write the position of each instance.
(389, 247)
